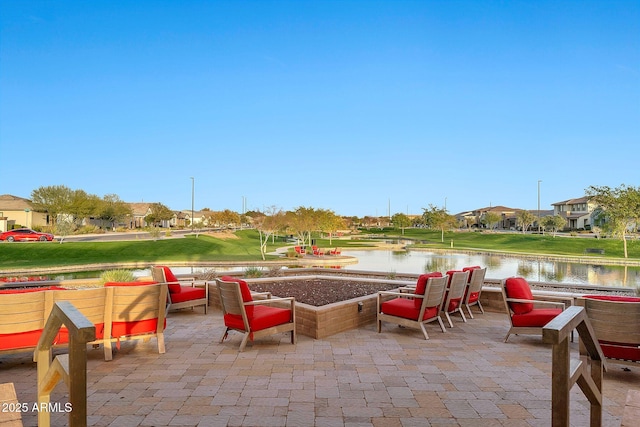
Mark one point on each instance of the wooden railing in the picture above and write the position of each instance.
(586, 371)
(70, 368)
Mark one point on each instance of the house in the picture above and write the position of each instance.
(580, 213)
(17, 211)
(476, 217)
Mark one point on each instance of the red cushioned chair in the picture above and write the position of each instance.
(254, 318)
(182, 294)
(317, 251)
(525, 314)
(414, 310)
(458, 281)
(616, 323)
(472, 296)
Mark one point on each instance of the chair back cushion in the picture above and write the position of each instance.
(470, 270)
(421, 286)
(172, 281)
(244, 287)
(518, 288)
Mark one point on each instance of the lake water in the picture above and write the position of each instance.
(498, 267)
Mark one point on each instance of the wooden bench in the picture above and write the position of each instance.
(594, 251)
(120, 311)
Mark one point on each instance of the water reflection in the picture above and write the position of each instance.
(497, 267)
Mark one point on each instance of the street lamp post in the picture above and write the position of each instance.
(192, 199)
(539, 181)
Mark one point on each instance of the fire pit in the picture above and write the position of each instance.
(325, 305)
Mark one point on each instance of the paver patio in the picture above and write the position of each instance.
(466, 377)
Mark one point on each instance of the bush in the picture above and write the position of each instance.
(253, 272)
(89, 229)
(121, 276)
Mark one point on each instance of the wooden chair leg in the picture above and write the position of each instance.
(245, 339)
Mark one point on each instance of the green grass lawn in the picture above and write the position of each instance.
(246, 247)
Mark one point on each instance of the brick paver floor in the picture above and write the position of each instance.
(466, 377)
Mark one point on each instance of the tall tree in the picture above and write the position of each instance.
(53, 199)
(82, 206)
(438, 218)
(273, 221)
(491, 219)
(113, 210)
(555, 223)
(329, 222)
(525, 219)
(620, 209)
(401, 221)
(159, 213)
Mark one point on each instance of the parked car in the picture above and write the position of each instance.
(25, 234)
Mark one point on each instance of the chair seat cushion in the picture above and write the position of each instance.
(473, 297)
(20, 340)
(454, 304)
(518, 288)
(403, 307)
(137, 327)
(260, 317)
(63, 335)
(620, 351)
(188, 293)
(535, 318)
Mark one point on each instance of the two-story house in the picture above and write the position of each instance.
(580, 213)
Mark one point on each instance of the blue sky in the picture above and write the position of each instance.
(353, 106)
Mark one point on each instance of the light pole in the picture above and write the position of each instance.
(539, 181)
(192, 199)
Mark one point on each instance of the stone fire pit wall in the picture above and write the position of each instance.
(330, 319)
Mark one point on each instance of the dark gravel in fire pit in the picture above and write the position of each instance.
(320, 292)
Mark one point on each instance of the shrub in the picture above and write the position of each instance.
(116, 276)
(253, 272)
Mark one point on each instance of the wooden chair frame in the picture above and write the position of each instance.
(158, 275)
(232, 303)
(456, 289)
(526, 330)
(476, 281)
(433, 296)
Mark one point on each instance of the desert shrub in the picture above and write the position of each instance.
(253, 272)
(89, 229)
(209, 274)
(116, 276)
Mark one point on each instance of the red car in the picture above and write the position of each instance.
(25, 234)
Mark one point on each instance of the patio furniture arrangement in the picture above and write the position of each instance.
(254, 318)
(186, 293)
(525, 315)
(300, 250)
(616, 323)
(423, 307)
(119, 311)
(336, 251)
(317, 251)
